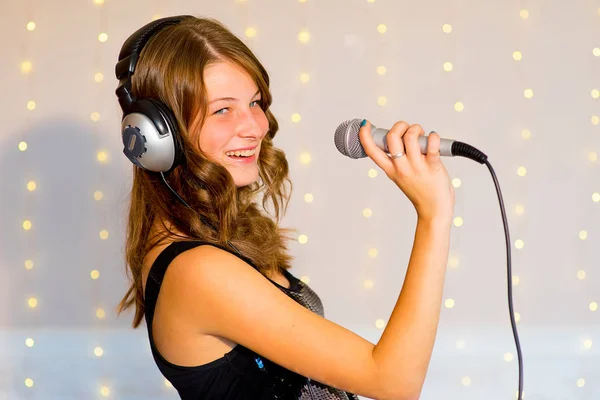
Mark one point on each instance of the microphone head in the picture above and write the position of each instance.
(347, 141)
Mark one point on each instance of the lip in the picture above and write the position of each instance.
(243, 148)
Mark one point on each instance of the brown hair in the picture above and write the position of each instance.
(170, 69)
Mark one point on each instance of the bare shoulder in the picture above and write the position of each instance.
(226, 297)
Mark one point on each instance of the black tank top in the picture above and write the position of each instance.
(240, 374)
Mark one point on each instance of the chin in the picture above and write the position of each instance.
(242, 180)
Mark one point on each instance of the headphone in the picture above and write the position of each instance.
(149, 130)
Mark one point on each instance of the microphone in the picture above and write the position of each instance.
(348, 143)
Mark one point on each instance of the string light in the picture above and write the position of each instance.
(26, 224)
(448, 66)
(380, 324)
(593, 156)
(104, 234)
(458, 221)
(449, 303)
(382, 28)
(32, 302)
(459, 106)
(517, 56)
(583, 235)
(461, 344)
(521, 171)
(296, 118)
(381, 70)
(368, 284)
(100, 314)
(580, 382)
(22, 146)
(382, 100)
(528, 93)
(596, 51)
(302, 239)
(104, 391)
(31, 186)
(587, 343)
(168, 384)
(367, 212)
(28, 264)
(250, 32)
(304, 37)
(519, 209)
(595, 120)
(508, 357)
(26, 67)
(515, 280)
(465, 381)
(98, 351)
(95, 116)
(102, 156)
(595, 93)
(95, 274)
(29, 342)
(373, 252)
(304, 77)
(524, 14)
(29, 382)
(526, 134)
(453, 262)
(596, 197)
(31, 26)
(305, 279)
(593, 306)
(31, 105)
(308, 197)
(305, 158)
(99, 2)
(456, 182)
(372, 173)
(103, 37)
(447, 28)
(519, 244)
(98, 195)
(581, 274)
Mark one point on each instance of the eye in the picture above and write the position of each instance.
(256, 101)
(219, 112)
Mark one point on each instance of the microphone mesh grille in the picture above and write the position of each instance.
(347, 140)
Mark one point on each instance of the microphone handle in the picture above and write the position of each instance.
(379, 136)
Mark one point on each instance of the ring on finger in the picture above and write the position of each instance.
(398, 155)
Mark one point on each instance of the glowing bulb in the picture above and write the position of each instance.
(459, 106)
(22, 146)
(308, 197)
(525, 134)
(31, 186)
(517, 317)
(381, 70)
(32, 302)
(517, 56)
(104, 391)
(521, 171)
(305, 158)
(304, 37)
(519, 244)
(31, 26)
(95, 274)
(460, 344)
(100, 314)
(99, 2)
(367, 212)
(27, 224)
(580, 382)
(587, 343)
(515, 280)
(302, 239)
(382, 100)
(250, 32)
(448, 66)
(596, 51)
(304, 77)
(382, 28)
(466, 381)
(519, 209)
(592, 156)
(593, 306)
(29, 342)
(508, 357)
(583, 235)
(595, 120)
(596, 197)
(296, 118)
(528, 93)
(103, 37)
(26, 67)
(458, 221)
(104, 234)
(524, 14)
(28, 264)
(305, 279)
(95, 116)
(581, 274)
(379, 324)
(373, 253)
(155, 17)
(595, 93)
(372, 173)
(31, 105)
(29, 382)
(368, 284)
(447, 28)
(102, 156)
(453, 262)
(456, 182)
(98, 195)
(98, 351)
(449, 303)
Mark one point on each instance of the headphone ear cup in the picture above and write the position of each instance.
(171, 122)
(150, 136)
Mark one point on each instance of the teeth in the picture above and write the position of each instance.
(245, 153)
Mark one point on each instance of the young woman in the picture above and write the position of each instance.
(209, 267)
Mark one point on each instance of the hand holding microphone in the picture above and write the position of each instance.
(422, 177)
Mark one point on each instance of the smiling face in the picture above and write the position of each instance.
(235, 123)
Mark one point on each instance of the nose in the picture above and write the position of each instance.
(249, 127)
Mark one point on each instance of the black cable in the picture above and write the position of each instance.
(509, 278)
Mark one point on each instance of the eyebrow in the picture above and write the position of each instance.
(231, 98)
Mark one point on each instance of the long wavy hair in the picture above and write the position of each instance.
(170, 68)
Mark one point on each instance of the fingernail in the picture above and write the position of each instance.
(363, 123)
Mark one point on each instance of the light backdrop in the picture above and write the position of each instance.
(519, 80)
